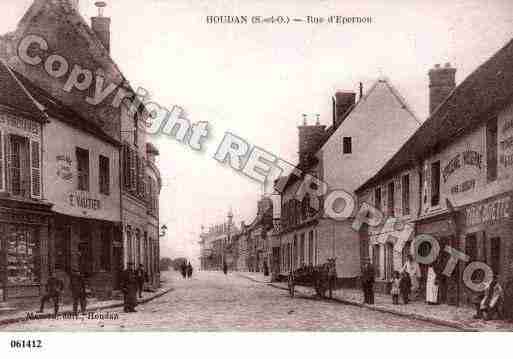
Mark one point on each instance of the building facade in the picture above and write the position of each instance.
(453, 178)
(218, 246)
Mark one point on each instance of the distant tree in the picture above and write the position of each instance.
(166, 263)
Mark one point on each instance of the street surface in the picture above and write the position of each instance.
(211, 301)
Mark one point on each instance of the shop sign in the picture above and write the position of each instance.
(83, 200)
(464, 187)
(23, 124)
(466, 158)
(488, 212)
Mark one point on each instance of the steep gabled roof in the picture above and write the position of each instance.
(481, 95)
(14, 95)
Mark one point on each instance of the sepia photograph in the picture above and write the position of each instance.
(182, 167)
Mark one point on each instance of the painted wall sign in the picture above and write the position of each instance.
(466, 158)
(488, 212)
(507, 143)
(21, 124)
(64, 167)
(464, 186)
(508, 125)
(83, 200)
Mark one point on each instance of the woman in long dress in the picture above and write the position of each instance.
(431, 287)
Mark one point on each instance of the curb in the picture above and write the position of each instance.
(9, 321)
(441, 322)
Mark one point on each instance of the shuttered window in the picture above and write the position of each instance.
(104, 178)
(35, 169)
(133, 171)
(2, 171)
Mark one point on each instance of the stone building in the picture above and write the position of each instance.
(98, 170)
(452, 179)
(218, 245)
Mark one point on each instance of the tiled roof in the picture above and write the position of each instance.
(481, 95)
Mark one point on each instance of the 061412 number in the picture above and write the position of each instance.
(26, 344)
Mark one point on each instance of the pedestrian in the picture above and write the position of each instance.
(54, 288)
(225, 268)
(129, 288)
(413, 270)
(332, 276)
(396, 280)
(78, 291)
(368, 275)
(142, 277)
(492, 302)
(183, 270)
(189, 270)
(432, 286)
(266, 269)
(405, 287)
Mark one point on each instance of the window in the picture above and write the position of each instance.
(377, 198)
(391, 199)
(35, 169)
(104, 176)
(294, 253)
(389, 261)
(83, 169)
(491, 150)
(406, 194)
(347, 145)
(18, 170)
(105, 255)
(471, 247)
(310, 248)
(23, 256)
(435, 183)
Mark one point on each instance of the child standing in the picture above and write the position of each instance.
(395, 287)
(405, 287)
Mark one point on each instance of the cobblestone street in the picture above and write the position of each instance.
(213, 301)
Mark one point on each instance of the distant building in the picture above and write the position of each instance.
(218, 245)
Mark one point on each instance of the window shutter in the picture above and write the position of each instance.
(1, 162)
(133, 170)
(126, 166)
(7, 156)
(35, 166)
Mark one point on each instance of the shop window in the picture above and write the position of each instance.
(310, 248)
(347, 145)
(435, 183)
(376, 259)
(83, 169)
(377, 198)
(471, 247)
(495, 254)
(106, 246)
(406, 194)
(104, 175)
(23, 256)
(491, 150)
(391, 199)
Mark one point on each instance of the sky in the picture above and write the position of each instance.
(256, 80)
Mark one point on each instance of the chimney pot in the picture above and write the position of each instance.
(101, 25)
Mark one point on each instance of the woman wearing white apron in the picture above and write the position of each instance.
(431, 287)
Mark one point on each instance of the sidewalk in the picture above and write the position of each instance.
(446, 315)
(11, 315)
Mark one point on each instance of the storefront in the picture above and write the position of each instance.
(24, 241)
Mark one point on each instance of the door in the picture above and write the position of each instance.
(85, 251)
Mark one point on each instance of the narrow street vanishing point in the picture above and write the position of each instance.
(214, 301)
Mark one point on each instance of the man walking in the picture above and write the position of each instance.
(189, 270)
(54, 287)
(225, 268)
(142, 277)
(368, 283)
(129, 288)
(78, 291)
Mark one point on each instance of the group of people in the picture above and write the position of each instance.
(186, 270)
(54, 291)
(405, 285)
(132, 285)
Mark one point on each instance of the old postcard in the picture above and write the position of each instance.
(255, 166)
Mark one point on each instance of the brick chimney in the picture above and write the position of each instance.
(442, 80)
(342, 102)
(310, 137)
(101, 25)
